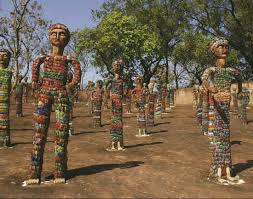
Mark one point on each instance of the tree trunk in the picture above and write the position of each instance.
(175, 75)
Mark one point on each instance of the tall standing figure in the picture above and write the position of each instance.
(151, 105)
(235, 102)
(244, 103)
(97, 99)
(54, 90)
(140, 94)
(221, 78)
(116, 131)
(25, 90)
(5, 89)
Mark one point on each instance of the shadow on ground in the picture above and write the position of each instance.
(93, 169)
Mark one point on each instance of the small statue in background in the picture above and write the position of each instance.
(5, 90)
(195, 96)
(245, 99)
(164, 91)
(151, 105)
(158, 107)
(235, 102)
(172, 96)
(140, 95)
(97, 99)
(199, 105)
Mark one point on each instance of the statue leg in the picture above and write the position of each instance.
(41, 117)
(61, 138)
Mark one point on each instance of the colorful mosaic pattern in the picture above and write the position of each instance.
(151, 109)
(97, 96)
(222, 79)
(116, 131)
(52, 92)
(158, 107)
(5, 88)
(245, 99)
(140, 95)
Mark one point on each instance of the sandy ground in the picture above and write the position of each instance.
(173, 162)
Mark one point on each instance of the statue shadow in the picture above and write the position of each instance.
(93, 169)
(242, 166)
(156, 132)
(144, 144)
(20, 143)
(236, 142)
(89, 132)
(160, 123)
(24, 129)
(250, 121)
(107, 124)
(81, 116)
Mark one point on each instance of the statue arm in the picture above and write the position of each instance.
(77, 73)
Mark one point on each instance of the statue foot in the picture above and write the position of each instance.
(31, 182)
(59, 180)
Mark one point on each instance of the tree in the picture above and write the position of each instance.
(119, 35)
(22, 32)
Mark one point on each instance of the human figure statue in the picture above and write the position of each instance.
(89, 92)
(97, 99)
(195, 90)
(140, 95)
(151, 105)
(199, 104)
(116, 132)
(25, 90)
(19, 97)
(221, 78)
(71, 104)
(164, 97)
(5, 90)
(172, 96)
(54, 90)
(158, 107)
(244, 103)
(235, 102)
(128, 100)
(76, 93)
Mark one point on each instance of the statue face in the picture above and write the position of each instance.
(221, 51)
(4, 59)
(59, 37)
(116, 68)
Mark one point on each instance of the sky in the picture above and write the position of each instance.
(76, 14)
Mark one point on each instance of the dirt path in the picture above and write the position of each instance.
(172, 162)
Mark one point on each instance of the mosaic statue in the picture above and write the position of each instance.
(158, 107)
(195, 96)
(97, 99)
(151, 105)
(172, 96)
(19, 97)
(25, 90)
(5, 89)
(89, 92)
(221, 78)
(245, 99)
(199, 104)
(128, 100)
(140, 95)
(235, 102)
(116, 131)
(53, 90)
(71, 104)
(164, 97)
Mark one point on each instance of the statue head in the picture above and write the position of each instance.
(26, 79)
(20, 77)
(219, 47)
(138, 80)
(117, 66)
(99, 84)
(5, 57)
(151, 87)
(59, 35)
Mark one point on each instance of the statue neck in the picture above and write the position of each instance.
(220, 63)
(57, 50)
